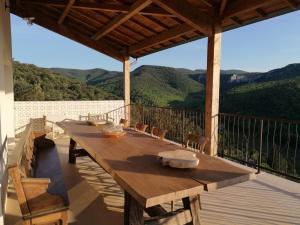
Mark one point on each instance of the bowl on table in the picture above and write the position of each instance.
(113, 131)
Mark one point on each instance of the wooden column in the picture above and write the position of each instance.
(213, 90)
(126, 71)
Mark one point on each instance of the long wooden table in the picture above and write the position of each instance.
(132, 162)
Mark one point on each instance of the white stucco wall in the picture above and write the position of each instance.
(6, 98)
(60, 110)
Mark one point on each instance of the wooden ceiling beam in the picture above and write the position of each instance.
(242, 6)
(161, 37)
(88, 20)
(222, 7)
(188, 13)
(66, 11)
(208, 3)
(97, 6)
(122, 18)
(261, 12)
(52, 25)
(236, 20)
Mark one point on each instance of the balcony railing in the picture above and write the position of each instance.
(262, 143)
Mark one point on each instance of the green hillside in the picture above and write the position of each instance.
(272, 94)
(32, 83)
(277, 99)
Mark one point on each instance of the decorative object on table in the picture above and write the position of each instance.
(113, 131)
(196, 142)
(123, 122)
(141, 127)
(179, 159)
(158, 132)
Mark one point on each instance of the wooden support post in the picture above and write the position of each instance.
(126, 71)
(72, 147)
(193, 204)
(212, 90)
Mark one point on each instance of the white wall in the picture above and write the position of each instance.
(6, 97)
(60, 110)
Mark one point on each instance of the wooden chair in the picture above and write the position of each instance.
(37, 205)
(196, 142)
(158, 132)
(123, 122)
(141, 127)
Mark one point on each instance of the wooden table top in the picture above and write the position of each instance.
(133, 163)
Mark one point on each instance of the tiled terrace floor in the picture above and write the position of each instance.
(96, 199)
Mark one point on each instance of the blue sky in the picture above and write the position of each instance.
(258, 47)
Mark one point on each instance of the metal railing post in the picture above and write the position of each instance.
(182, 118)
(260, 145)
(143, 115)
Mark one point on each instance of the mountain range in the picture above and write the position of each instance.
(275, 93)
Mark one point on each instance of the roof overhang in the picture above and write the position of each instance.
(135, 28)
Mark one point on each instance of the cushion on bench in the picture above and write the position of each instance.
(48, 166)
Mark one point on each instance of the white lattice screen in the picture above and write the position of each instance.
(60, 110)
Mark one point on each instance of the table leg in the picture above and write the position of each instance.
(133, 211)
(193, 204)
(72, 157)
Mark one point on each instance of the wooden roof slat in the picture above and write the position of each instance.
(242, 6)
(66, 11)
(134, 9)
(138, 28)
(148, 24)
(130, 27)
(293, 4)
(100, 19)
(160, 38)
(188, 14)
(115, 36)
(166, 22)
(261, 12)
(101, 6)
(89, 19)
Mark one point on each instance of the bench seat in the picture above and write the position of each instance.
(48, 166)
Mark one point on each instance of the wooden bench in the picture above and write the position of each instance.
(38, 180)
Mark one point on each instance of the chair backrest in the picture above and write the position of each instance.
(38, 124)
(158, 132)
(123, 122)
(196, 142)
(141, 127)
(15, 174)
(21, 166)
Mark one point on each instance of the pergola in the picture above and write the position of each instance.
(134, 28)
